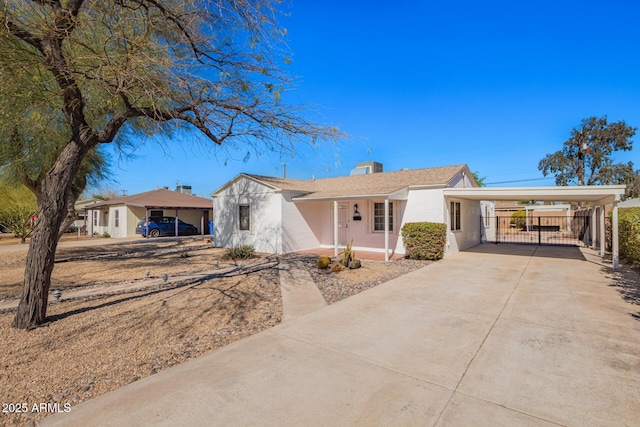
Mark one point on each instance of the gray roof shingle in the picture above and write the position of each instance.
(381, 184)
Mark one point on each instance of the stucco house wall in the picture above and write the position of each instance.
(469, 234)
(265, 219)
(297, 233)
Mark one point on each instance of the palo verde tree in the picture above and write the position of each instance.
(585, 158)
(18, 207)
(111, 71)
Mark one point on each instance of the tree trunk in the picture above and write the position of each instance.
(55, 192)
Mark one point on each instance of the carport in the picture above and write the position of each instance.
(595, 197)
(119, 216)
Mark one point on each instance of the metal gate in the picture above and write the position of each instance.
(538, 230)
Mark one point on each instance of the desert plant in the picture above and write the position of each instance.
(629, 234)
(336, 267)
(106, 235)
(324, 262)
(519, 219)
(239, 252)
(424, 240)
(349, 257)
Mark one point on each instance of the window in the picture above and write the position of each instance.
(487, 218)
(378, 217)
(95, 218)
(244, 217)
(156, 214)
(117, 218)
(455, 215)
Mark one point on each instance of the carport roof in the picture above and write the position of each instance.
(161, 198)
(593, 194)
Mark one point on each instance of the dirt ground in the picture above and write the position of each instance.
(91, 347)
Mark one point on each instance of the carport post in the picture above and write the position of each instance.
(146, 222)
(614, 235)
(335, 228)
(592, 225)
(175, 223)
(603, 235)
(386, 230)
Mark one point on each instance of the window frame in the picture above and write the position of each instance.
(240, 216)
(455, 216)
(116, 218)
(374, 216)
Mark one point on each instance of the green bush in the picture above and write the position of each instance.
(424, 240)
(106, 235)
(519, 219)
(240, 252)
(324, 262)
(629, 234)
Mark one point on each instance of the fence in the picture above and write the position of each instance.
(538, 230)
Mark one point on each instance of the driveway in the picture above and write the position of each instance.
(536, 337)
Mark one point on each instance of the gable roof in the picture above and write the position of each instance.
(161, 198)
(380, 184)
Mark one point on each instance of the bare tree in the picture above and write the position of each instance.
(113, 70)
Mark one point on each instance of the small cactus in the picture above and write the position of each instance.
(336, 267)
(324, 262)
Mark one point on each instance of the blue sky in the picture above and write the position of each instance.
(493, 84)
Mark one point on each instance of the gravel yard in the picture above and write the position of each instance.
(91, 347)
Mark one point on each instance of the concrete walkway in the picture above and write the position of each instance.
(300, 295)
(534, 337)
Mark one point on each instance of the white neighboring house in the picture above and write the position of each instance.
(278, 215)
(630, 203)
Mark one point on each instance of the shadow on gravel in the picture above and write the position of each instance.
(188, 283)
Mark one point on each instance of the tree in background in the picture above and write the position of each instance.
(18, 208)
(479, 181)
(121, 71)
(585, 158)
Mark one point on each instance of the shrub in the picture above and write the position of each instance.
(106, 235)
(424, 240)
(629, 234)
(240, 252)
(519, 219)
(324, 262)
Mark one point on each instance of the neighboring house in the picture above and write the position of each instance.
(81, 211)
(278, 215)
(119, 216)
(630, 203)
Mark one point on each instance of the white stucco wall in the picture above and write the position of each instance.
(469, 233)
(422, 205)
(297, 233)
(266, 216)
(121, 229)
(488, 228)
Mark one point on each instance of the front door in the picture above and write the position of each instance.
(343, 224)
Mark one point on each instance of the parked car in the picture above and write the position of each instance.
(165, 226)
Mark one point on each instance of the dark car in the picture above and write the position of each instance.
(165, 226)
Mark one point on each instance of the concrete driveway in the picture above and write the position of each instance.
(538, 336)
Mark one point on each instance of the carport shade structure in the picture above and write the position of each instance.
(596, 196)
(161, 199)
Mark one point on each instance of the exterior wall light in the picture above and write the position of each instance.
(356, 214)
